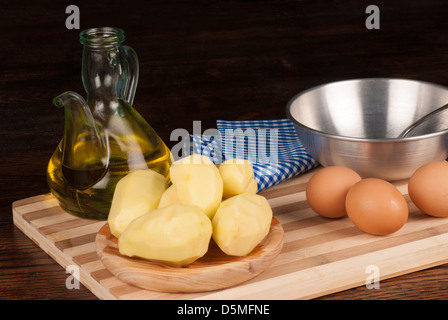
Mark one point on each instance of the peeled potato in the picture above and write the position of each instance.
(237, 176)
(252, 187)
(195, 159)
(175, 234)
(241, 223)
(135, 194)
(169, 197)
(198, 182)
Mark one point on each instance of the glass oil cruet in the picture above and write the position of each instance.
(104, 137)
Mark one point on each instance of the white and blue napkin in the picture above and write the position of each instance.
(272, 146)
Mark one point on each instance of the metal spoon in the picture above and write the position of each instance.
(415, 124)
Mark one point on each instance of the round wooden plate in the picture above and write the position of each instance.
(215, 270)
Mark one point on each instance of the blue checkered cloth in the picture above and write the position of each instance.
(272, 146)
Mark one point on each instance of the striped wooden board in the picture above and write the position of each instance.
(319, 255)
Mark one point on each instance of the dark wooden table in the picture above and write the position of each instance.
(199, 60)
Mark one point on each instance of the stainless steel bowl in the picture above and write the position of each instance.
(355, 123)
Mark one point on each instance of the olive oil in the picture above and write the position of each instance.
(85, 187)
(84, 178)
(88, 193)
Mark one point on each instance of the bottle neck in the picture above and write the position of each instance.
(103, 74)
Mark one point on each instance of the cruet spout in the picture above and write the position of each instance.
(84, 145)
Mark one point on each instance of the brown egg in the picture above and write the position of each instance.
(428, 188)
(376, 206)
(327, 189)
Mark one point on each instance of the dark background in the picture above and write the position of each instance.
(199, 60)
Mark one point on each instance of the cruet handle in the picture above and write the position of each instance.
(132, 71)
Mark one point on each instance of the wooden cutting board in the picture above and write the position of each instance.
(319, 255)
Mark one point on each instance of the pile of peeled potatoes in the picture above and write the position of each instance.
(174, 223)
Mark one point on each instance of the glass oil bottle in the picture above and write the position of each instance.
(104, 137)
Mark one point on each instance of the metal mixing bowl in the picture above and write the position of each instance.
(355, 123)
